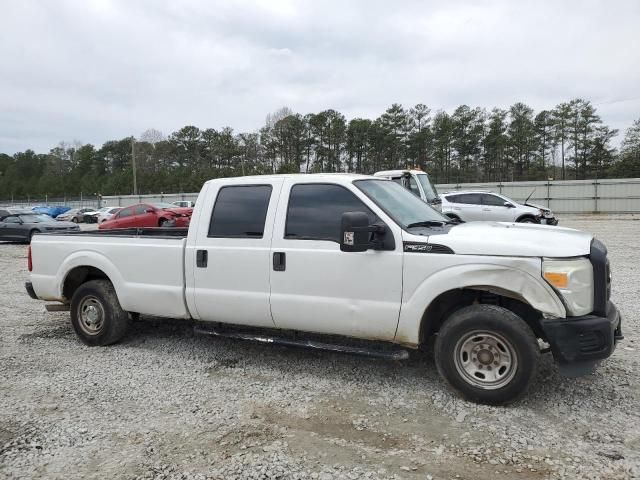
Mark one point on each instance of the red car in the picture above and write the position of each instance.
(149, 215)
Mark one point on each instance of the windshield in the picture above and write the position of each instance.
(400, 204)
(36, 218)
(429, 188)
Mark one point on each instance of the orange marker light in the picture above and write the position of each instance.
(558, 280)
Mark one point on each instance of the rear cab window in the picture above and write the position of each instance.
(240, 211)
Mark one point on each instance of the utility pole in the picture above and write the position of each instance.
(133, 164)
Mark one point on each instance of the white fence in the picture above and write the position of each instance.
(568, 196)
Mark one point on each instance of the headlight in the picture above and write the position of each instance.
(573, 279)
(547, 214)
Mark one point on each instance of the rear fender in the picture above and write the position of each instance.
(90, 258)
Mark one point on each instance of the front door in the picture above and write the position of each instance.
(232, 257)
(493, 209)
(315, 286)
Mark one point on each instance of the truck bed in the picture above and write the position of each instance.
(145, 265)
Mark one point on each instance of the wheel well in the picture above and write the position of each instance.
(526, 215)
(448, 302)
(452, 215)
(77, 277)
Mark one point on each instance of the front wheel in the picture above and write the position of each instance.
(527, 220)
(487, 353)
(96, 314)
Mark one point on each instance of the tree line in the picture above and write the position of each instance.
(467, 145)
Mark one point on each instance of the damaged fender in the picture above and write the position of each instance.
(518, 281)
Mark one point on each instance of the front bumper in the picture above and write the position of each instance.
(585, 339)
(32, 293)
(549, 221)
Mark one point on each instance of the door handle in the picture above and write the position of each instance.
(486, 209)
(202, 256)
(279, 261)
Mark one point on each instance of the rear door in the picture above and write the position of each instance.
(467, 206)
(233, 253)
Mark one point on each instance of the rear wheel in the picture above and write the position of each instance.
(96, 314)
(74, 219)
(487, 353)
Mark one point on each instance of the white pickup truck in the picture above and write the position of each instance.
(350, 263)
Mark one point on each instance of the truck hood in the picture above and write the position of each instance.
(511, 239)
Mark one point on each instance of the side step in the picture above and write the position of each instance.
(388, 354)
(57, 307)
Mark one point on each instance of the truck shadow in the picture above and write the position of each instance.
(417, 373)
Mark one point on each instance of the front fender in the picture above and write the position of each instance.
(483, 276)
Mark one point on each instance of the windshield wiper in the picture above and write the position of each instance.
(428, 223)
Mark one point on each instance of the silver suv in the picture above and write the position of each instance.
(470, 206)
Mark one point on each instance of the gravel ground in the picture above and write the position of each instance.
(168, 404)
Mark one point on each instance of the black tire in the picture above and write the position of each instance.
(527, 220)
(500, 336)
(96, 314)
(75, 220)
(163, 222)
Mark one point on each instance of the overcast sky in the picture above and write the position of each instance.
(99, 70)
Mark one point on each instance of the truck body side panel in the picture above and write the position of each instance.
(147, 273)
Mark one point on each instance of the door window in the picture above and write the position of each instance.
(315, 211)
(240, 212)
(492, 200)
(125, 212)
(12, 220)
(413, 186)
(469, 198)
(141, 209)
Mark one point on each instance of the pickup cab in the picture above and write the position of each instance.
(351, 263)
(416, 181)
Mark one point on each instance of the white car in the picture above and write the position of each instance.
(105, 213)
(341, 259)
(470, 206)
(184, 203)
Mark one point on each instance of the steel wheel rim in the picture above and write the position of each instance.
(485, 359)
(91, 315)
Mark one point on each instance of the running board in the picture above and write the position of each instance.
(395, 354)
(57, 307)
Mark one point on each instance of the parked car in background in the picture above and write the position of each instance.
(21, 227)
(416, 181)
(7, 211)
(105, 213)
(470, 206)
(78, 215)
(52, 211)
(184, 203)
(149, 215)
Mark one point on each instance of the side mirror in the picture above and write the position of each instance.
(149, 210)
(509, 205)
(355, 232)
